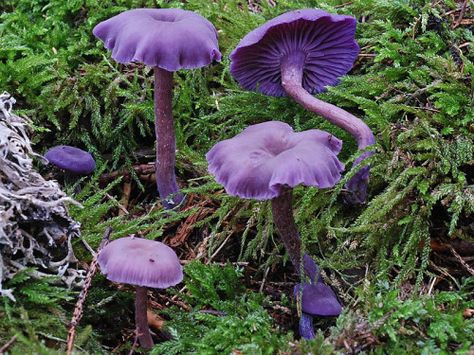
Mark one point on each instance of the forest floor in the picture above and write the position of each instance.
(401, 264)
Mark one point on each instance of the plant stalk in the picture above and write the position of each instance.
(165, 140)
(141, 319)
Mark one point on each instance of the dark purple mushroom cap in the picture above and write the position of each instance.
(323, 42)
(140, 262)
(167, 38)
(262, 159)
(71, 159)
(319, 300)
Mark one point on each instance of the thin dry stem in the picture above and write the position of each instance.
(78, 310)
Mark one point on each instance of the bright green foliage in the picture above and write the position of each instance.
(245, 325)
(411, 323)
(38, 315)
(38, 292)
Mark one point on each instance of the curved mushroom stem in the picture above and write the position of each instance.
(292, 82)
(141, 320)
(165, 140)
(282, 211)
(306, 326)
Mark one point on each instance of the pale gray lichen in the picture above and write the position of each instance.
(35, 226)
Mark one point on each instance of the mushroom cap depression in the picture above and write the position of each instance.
(171, 39)
(140, 262)
(71, 159)
(319, 300)
(267, 156)
(324, 44)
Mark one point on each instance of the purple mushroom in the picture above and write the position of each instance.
(143, 263)
(317, 299)
(167, 40)
(297, 54)
(265, 162)
(71, 159)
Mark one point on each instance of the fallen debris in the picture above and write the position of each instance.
(35, 227)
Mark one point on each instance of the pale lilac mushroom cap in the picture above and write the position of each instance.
(265, 157)
(170, 39)
(324, 43)
(140, 262)
(71, 159)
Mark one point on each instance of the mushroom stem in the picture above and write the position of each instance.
(141, 320)
(165, 140)
(306, 326)
(282, 211)
(292, 82)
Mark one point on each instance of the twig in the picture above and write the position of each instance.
(461, 260)
(142, 169)
(8, 344)
(264, 279)
(220, 248)
(77, 315)
(432, 284)
(119, 205)
(461, 14)
(87, 246)
(135, 343)
(213, 312)
(127, 189)
(343, 5)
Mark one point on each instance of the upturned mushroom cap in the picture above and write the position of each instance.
(167, 38)
(140, 262)
(323, 43)
(319, 300)
(71, 159)
(262, 159)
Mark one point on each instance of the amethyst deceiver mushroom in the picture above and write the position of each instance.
(143, 263)
(167, 40)
(297, 54)
(71, 159)
(317, 299)
(265, 162)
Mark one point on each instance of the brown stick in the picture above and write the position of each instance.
(7, 344)
(461, 261)
(142, 169)
(77, 314)
(127, 190)
(461, 14)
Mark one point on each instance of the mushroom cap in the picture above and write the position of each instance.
(319, 300)
(325, 42)
(171, 39)
(71, 159)
(267, 156)
(140, 262)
